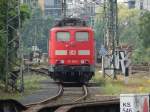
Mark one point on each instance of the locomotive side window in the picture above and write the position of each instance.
(82, 36)
(63, 36)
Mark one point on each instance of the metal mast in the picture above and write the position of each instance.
(110, 37)
(21, 58)
(13, 42)
(64, 8)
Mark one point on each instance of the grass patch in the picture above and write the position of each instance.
(138, 83)
(31, 83)
(9, 95)
(110, 88)
(99, 79)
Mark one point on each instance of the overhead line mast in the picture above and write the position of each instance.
(14, 44)
(111, 39)
(64, 8)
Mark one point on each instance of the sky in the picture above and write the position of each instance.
(121, 0)
(102, 0)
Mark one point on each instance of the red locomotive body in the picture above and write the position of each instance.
(71, 53)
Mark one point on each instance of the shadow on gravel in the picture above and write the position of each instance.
(71, 84)
(76, 84)
(11, 105)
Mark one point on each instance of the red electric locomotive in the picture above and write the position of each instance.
(71, 51)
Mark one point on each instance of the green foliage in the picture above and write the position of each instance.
(99, 27)
(32, 82)
(2, 14)
(142, 51)
(2, 52)
(12, 13)
(36, 31)
(133, 29)
(25, 12)
(128, 25)
(145, 29)
(99, 32)
(138, 83)
(141, 55)
(2, 35)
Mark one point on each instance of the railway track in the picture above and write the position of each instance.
(60, 92)
(51, 105)
(34, 107)
(61, 97)
(139, 69)
(41, 70)
(71, 97)
(97, 106)
(85, 90)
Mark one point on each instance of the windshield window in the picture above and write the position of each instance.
(63, 36)
(82, 36)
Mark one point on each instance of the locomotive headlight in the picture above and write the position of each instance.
(62, 61)
(82, 61)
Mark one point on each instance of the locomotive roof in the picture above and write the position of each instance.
(71, 28)
(71, 22)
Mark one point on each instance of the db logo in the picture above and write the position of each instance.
(72, 52)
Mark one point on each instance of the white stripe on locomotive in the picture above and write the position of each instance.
(83, 52)
(61, 52)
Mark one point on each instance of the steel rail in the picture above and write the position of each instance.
(60, 92)
(85, 94)
(67, 108)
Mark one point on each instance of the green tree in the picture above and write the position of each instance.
(133, 29)
(128, 25)
(145, 29)
(36, 31)
(99, 27)
(3, 8)
(144, 37)
(24, 11)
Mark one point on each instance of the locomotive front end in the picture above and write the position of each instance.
(71, 54)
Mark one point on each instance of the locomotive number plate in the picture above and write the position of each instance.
(72, 52)
(72, 61)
